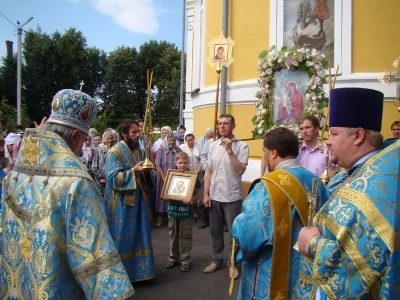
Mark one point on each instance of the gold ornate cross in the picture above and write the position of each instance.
(81, 84)
(31, 151)
(387, 78)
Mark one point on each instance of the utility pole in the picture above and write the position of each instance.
(224, 73)
(19, 32)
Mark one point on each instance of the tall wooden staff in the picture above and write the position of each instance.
(148, 128)
(221, 55)
(313, 199)
(218, 70)
(325, 175)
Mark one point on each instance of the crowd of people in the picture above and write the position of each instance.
(77, 204)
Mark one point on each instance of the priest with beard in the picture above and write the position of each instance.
(127, 204)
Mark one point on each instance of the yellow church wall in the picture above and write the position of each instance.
(373, 50)
(375, 43)
(248, 27)
(204, 118)
(390, 114)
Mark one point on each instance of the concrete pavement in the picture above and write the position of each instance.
(193, 285)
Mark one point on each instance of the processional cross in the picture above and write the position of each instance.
(387, 78)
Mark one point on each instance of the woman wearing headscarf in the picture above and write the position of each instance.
(180, 135)
(109, 140)
(165, 159)
(88, 152)
(10, 140)
(164, 131)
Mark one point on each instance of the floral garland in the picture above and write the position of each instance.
(271, 61)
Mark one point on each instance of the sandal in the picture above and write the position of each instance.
(170, 265)
(185, 268)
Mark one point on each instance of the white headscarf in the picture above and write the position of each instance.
(164, 141)
(87, 153)
(196, 148)
(12, 138)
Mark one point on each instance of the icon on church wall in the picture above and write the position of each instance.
(289, 99)
(311, 23)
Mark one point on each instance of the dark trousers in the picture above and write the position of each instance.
(206, 215)
(180, 237)
(219, 212)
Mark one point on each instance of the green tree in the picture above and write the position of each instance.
(120, 96)
(164, 60)
(8, 115)
(124, 92)
(58, 61)
(8, 79)
(101, 121)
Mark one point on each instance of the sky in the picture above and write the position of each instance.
(106, 24)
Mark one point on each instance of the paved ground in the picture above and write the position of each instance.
(193, 285)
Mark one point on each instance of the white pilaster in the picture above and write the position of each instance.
(190, 34)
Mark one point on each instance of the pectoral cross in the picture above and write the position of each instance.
(81, 84)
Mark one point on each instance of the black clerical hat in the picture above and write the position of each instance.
(356, 107)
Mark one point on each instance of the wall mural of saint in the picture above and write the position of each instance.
(310, 22)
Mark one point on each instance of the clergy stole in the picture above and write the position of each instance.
(129, 158)
(285, 191)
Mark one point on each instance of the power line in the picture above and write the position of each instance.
(8, 20)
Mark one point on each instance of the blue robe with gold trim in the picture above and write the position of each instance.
(55, 239)
(2, 176)
(253, 230)
(357, 255)
(128, 211)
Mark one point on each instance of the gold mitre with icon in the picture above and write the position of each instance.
(73, 108)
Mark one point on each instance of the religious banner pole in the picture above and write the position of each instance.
(147, 123)
(387, 78)
(220, 55)
(218, 70)
(331, 85)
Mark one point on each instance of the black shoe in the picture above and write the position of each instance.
(225, 229)
(159, 221)
(185, 267)
(171, 265)
(204, 225)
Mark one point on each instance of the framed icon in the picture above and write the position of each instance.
(179, 185)
(220, 53)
